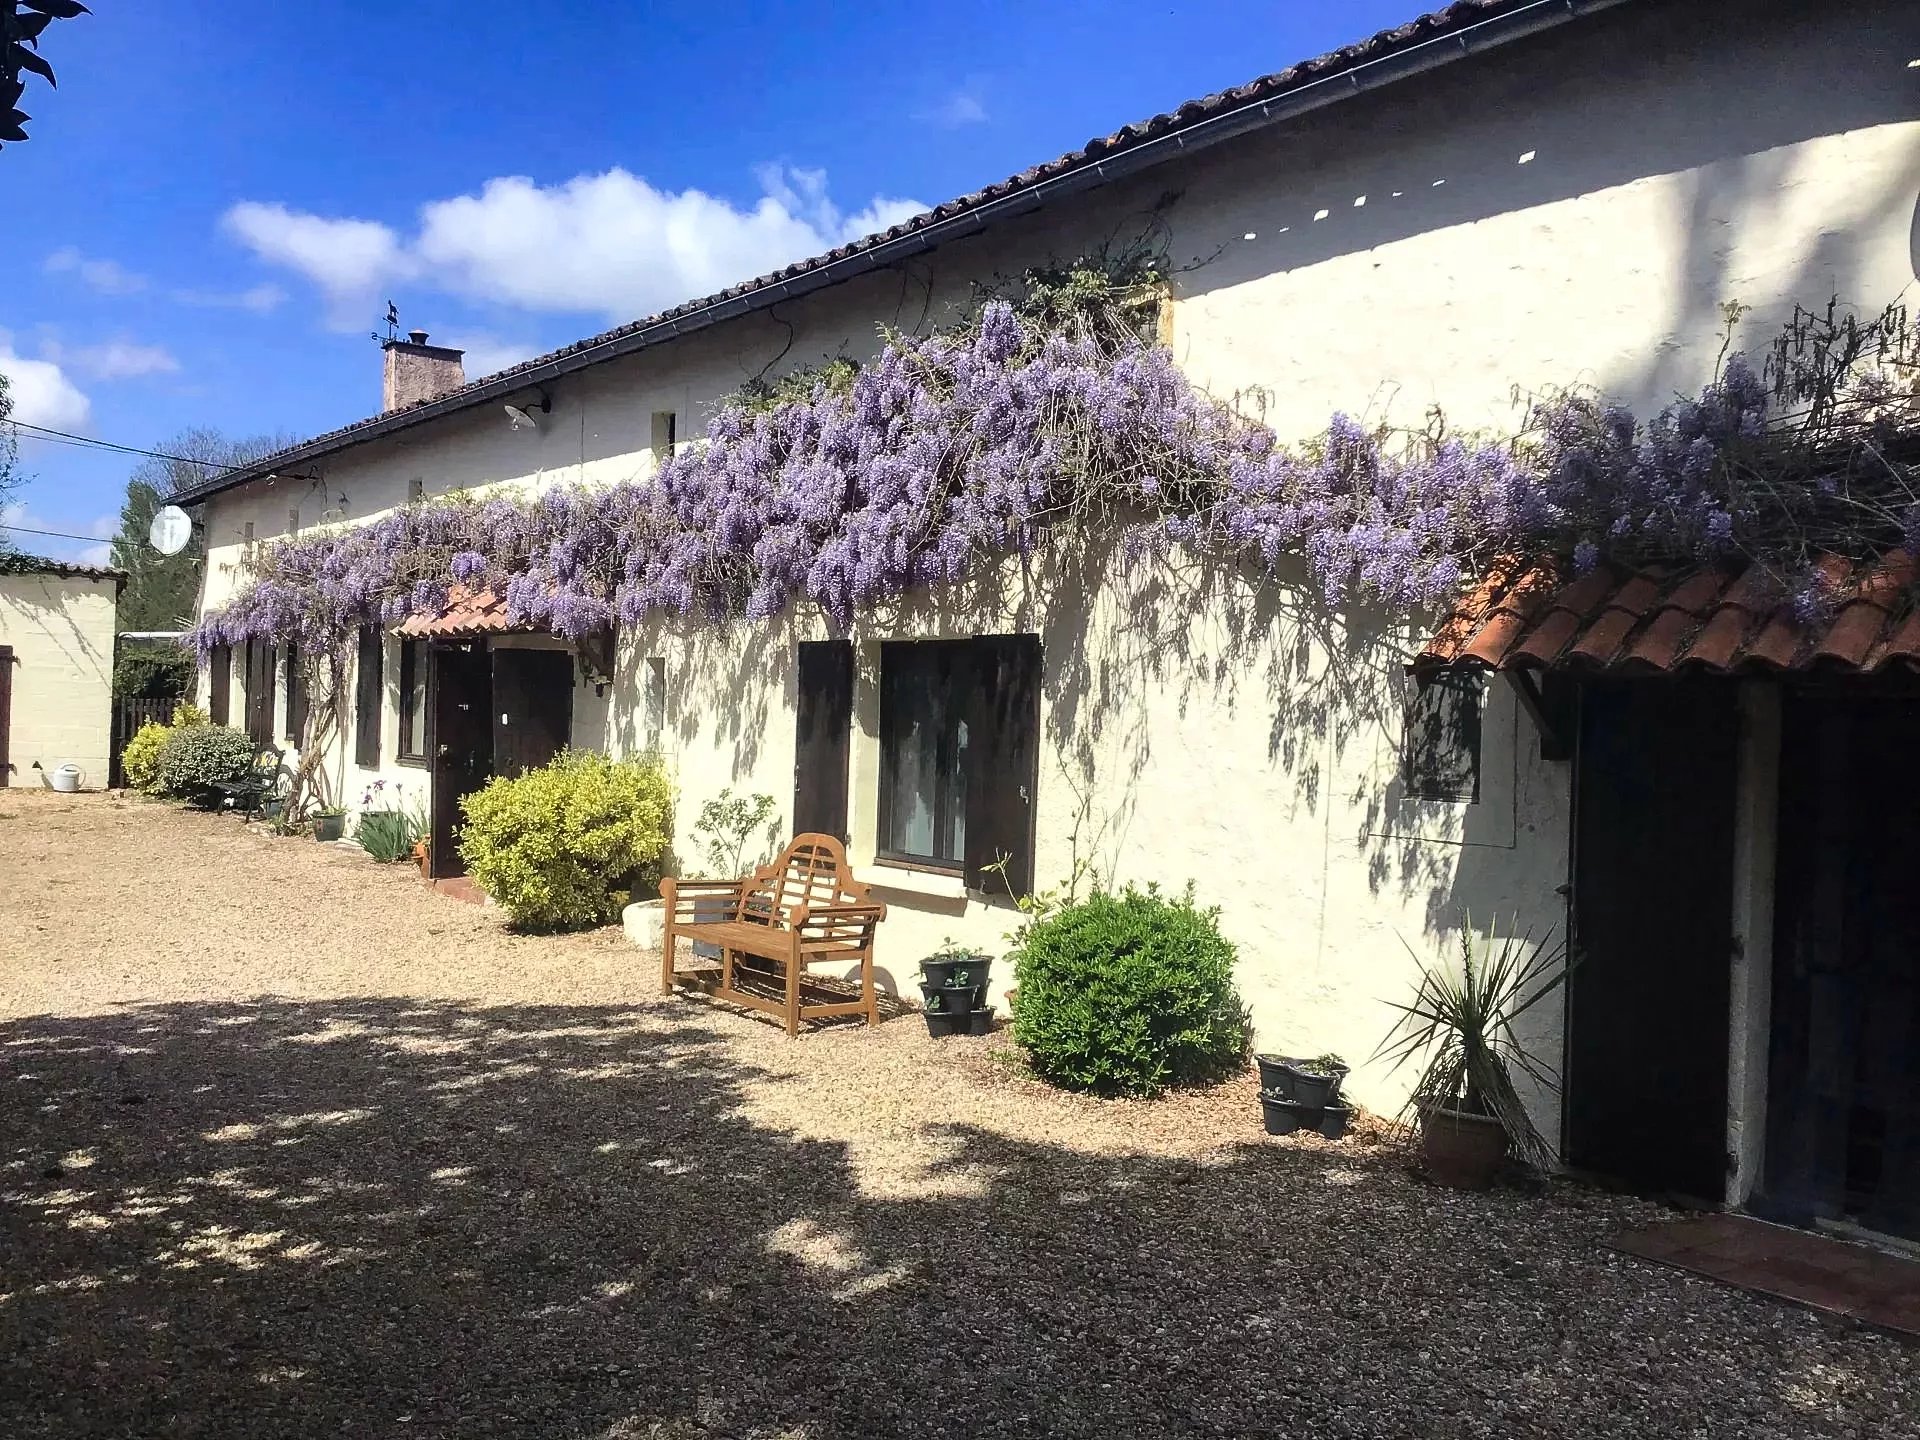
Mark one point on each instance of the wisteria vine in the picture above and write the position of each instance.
(953, 450)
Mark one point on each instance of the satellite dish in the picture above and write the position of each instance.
(170, 531)
(521, 419)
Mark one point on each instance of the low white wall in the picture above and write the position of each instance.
(61, 630)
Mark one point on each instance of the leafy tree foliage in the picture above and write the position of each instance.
(21, 22)
(162, 590)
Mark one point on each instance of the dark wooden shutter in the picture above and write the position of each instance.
(296, 696)
(823, 737)
(259, 657)
(219, 682)
(1003, 763)
(369, 689)
(6, 716)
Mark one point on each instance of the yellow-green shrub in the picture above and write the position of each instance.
(550, 846)
(140, 760)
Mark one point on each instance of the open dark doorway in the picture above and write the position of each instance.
(1843, 1110)
(1647, 1002)
(532, 708)
(459, 741)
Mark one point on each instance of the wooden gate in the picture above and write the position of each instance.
(130, 712)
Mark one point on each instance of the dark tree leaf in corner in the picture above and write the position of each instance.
(57, 9)
(24, 59)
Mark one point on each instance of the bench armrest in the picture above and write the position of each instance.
(681, 896)
(818, 921)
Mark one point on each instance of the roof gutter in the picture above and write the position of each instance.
(1090, 173)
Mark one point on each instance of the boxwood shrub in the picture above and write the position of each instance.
(1128, 994)
(195, 759)
(551, 845)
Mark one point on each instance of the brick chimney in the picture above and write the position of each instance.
(416, 371)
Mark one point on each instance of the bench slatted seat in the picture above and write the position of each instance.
(803, 909)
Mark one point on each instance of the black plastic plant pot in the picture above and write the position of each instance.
(1284, 1116)
(1276, 1074)
(328, 828)
(959, 999)
(1313, 1089)
(939, 1025)
(980, 1022)
(968, 970)
(1333, 1121)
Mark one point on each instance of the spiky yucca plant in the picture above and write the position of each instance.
(1460, 1027)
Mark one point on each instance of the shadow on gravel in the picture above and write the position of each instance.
(384, 1217)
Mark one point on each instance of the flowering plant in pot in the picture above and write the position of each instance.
(953, 990)
(1459, 1027)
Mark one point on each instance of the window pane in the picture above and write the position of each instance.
(413, 698)
(923, 751)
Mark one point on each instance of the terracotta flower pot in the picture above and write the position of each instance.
(420, 855)
(1462, 1151)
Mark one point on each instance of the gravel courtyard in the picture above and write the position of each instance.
(290, 1146)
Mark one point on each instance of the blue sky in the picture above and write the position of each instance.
(219, 198)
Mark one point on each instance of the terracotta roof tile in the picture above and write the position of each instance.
(467, 612)
(1657, 620)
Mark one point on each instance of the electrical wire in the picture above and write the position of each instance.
(57, 534)
(71, 439)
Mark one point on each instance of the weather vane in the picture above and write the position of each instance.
(393, 326)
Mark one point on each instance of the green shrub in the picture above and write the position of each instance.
(167, 670)
(550, 846)
(1128, 994)
(194, 759)
(140, 761)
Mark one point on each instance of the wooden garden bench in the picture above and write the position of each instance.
(803, 909)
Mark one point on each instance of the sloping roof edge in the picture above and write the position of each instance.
(15, 563)
(1467, 27)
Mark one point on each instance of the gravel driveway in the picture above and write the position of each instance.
(293, 1147)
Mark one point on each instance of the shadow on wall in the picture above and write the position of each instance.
(1486, 138)
(384, 1215)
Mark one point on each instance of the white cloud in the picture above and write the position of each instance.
(105, 277)
(75, 552)
(960, 107)
(41, 392)
(487, 354)
(608, 244)
(259, 299)
(117, 359)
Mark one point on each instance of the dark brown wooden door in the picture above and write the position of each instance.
(532, 714)
(6, 716)
(1003, 764)
(459, 742)
(1843, 1107)
(823, 737)
(1647, 1023)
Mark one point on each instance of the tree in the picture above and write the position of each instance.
(162, 590)
(21, 22)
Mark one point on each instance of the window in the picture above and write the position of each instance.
(413, 701)
(369, 690)
(1440, 746)
(923, 752)
(416, 489)
(293, 520)
(666, 434)
(219, 683)
(959, 728)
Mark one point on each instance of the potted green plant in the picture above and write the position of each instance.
(329, 823)
(1459, 1028)
(1313, 1083)
(953, 991)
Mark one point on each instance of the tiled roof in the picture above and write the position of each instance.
(14, 563)
(1253, 97)
(467, 612)
(1731, 619)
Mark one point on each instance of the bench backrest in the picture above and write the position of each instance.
(810, 871)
